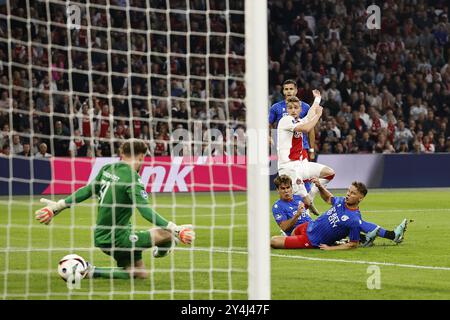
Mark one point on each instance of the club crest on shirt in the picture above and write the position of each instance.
(144, 194)
(344, 218)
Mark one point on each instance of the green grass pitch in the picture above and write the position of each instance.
(419, 268)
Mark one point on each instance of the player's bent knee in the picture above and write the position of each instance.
(327, 173)
(141, 274)
(277, 242)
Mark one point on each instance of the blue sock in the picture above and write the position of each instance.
(382, 232)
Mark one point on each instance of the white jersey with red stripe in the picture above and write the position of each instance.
(289, 142)
(292, 157)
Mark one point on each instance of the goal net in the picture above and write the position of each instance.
(78, 78)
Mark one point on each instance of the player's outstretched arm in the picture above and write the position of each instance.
(344, 246)
(324, 193)
(310, 122)
(52, 208)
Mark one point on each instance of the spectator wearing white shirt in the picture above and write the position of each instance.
(427, 146)
(363, 115)
(42, 152)
(402, 135)
(17, 146)
(417, 109)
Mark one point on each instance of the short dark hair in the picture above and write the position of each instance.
(361, 187)
(290, 81)
(283, 179)
(133, 147)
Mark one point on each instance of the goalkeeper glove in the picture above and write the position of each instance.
(184, 233)
(52, 208)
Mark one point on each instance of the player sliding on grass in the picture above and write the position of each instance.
(120, 190)
(342, 220)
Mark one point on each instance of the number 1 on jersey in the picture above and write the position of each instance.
(103, 188)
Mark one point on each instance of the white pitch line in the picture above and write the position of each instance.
(334, 260)
(362, 262)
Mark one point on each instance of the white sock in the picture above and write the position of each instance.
(314, 189)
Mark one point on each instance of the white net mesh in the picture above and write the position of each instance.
(80, 77)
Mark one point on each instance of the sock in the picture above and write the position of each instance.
(324, 181)
(108, 273)
(387, 234)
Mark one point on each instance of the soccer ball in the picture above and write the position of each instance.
(72, 266)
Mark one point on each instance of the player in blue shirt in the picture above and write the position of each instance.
(341, 220)
(278, 110)
(289, 211)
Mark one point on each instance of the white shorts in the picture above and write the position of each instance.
(291, 170)
(299, 171)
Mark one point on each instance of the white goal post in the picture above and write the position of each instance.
(256, 58)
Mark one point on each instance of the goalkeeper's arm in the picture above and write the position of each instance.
(52, 208)
(184, 233)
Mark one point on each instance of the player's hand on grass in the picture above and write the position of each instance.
(185, 232)
(324, 247)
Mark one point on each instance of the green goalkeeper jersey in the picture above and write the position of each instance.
(119, 190)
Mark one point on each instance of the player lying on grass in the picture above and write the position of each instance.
(289, 211)
(342, 220)
(120, 190)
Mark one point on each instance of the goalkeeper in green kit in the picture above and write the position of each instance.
(120, 190)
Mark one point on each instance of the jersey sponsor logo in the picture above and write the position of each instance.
(333, 217)
(110, 176)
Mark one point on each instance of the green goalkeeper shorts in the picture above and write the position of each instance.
(129, 250)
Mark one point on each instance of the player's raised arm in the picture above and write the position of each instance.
(324, 193)
(52, 208)
(310, 122)
(315, 106)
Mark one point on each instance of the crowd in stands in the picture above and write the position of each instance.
(383, 91)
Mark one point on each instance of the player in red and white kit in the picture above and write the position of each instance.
(290, 148)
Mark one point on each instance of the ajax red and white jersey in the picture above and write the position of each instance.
(289, 142)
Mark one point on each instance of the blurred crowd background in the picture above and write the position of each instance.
(80, 93)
